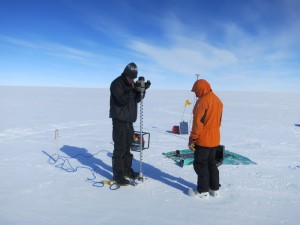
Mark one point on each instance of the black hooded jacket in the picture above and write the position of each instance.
(123, 100)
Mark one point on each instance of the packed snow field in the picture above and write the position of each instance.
(35, 189)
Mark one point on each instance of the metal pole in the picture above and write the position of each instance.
(141, 138)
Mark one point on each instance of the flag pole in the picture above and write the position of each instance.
(187, 102)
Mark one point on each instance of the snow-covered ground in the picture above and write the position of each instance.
(33, 190)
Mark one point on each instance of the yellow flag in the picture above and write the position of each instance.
(187, 102)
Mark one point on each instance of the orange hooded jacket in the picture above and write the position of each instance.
(207, 116)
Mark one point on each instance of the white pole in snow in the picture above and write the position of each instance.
(56, 136)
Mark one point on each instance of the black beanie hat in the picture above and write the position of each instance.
(131, 71)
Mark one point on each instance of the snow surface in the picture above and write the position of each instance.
(33, 190)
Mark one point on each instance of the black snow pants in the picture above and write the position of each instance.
(206, 169)
(122, 158)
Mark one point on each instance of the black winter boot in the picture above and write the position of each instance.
(122, 181)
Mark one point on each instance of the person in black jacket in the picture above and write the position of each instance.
(123, 111)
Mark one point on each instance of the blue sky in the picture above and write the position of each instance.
(235, 45)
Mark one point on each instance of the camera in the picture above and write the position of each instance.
(141, 85)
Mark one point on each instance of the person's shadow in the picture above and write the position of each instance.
(98, 166)
(156, 174)
(89, 160)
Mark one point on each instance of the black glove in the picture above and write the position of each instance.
(136, 85)
(147, 84)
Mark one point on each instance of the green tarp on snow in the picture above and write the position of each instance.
(186, 157)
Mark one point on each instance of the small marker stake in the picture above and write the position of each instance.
(56, 136)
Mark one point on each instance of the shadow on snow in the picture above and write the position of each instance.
(96, 165)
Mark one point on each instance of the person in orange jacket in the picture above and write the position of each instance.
(205, 138)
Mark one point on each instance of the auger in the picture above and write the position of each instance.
(141, 86)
